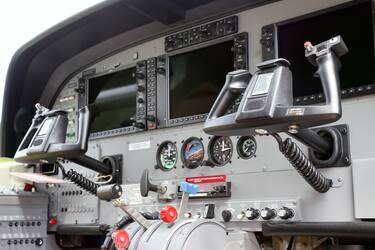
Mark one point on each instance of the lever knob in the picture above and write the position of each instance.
(121, 239)
(146, 185)
(168, 214)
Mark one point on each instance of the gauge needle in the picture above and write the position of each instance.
(225, 149)
(169, 151)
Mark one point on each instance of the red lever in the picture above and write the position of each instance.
(121, 239)
(168, 214)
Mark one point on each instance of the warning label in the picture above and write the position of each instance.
(206, 179)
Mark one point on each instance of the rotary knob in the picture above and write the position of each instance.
(267, 213)
(141, 100)
(252, 214)
(141, 88)
(227, 215)
(39, 242)
(140, 75)
(285, 213)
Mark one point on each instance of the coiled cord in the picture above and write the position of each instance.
(303, 165)
(81, 181)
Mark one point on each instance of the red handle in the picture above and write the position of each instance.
(168, 214)
(121, 239)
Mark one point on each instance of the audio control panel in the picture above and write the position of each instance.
(23, 220)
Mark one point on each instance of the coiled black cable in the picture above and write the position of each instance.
(303, 165)
(81, 181)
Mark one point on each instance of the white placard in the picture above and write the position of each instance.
(139, 145)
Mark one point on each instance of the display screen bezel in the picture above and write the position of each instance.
(365, 89)
(122, 130)
(197, 117)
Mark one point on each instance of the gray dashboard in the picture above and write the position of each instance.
(264, 180)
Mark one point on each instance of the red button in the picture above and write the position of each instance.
(307, 44)
(28, 187)
(121, 239)
(53, 221)
(168, 214)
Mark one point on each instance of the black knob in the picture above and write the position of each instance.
(240, 49)
(151, 118)
(268, 213)
(141, 64)
(140, 75)
(141, 100)
(141, 88)
(39, 242)
(146, 185)
(227, 215)
(285, 213)
(252, 214)
(80, 90)
(160, 70)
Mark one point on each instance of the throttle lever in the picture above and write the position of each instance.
(113, 193)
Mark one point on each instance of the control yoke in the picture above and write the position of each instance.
(45, 140)
(267, 108)
(267, 104)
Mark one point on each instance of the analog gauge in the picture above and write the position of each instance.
(192, 152)
(167, 155)
(246, 147)
(220, 150)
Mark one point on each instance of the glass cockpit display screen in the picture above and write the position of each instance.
(113, 97)
(197, 77)
(353, 23)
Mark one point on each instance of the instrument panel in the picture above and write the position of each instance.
(162, 83)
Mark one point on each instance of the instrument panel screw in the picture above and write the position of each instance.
(344, 131)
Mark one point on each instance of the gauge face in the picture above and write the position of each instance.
(246, 147)
(221, 150)
(192, 152)
(167, 155)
